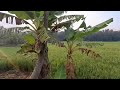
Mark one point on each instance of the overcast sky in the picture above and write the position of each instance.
(92, 18)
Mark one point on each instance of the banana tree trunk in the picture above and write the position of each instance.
(70, 67)
(42, 68)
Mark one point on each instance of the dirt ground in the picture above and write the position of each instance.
(13, 74)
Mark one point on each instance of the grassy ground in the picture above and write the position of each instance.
(106, 68)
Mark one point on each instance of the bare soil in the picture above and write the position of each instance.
(13, 74)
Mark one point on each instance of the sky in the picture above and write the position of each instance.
(92, 18)
(95, 17)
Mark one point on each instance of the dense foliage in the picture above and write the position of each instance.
(104, 35)
(11, 37)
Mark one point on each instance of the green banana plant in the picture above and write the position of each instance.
(74, 39)
(35, 41)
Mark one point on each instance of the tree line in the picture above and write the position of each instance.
(15, 36)
(11, 36)
(104, 35)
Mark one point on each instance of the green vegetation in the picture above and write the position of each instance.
(106, 68)
(46, 23)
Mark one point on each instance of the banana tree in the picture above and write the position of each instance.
(74, 39)
(36, 43)
(39, 27)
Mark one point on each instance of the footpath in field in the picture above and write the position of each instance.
(13, 74)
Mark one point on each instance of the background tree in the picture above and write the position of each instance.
(107, 35)
(103, 35)
(11, 36)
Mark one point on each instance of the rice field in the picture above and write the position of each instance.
(87, 68)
